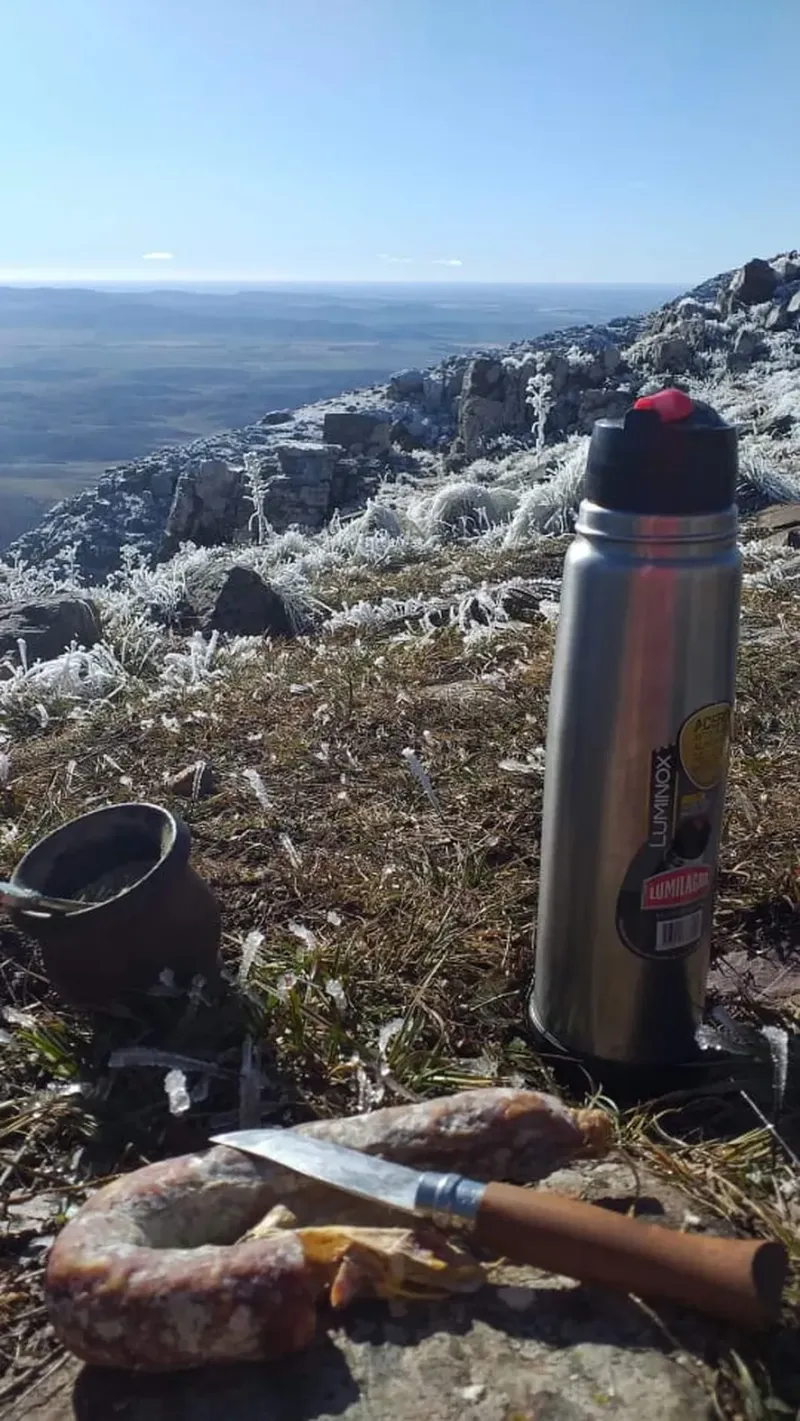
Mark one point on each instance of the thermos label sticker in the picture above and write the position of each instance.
(675, 868)
(676, 888)
(704, 742)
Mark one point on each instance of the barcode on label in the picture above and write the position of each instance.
(679, 932)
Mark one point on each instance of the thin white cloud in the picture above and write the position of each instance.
(397, 261)
(157, 257)
(447, 261)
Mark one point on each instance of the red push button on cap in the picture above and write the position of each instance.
(669, 405)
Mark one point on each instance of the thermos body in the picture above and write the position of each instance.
(638, 738)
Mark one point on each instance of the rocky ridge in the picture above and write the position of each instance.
(299, 468)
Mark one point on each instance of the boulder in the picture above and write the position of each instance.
(746, 347)
(670, 354)
(303, 492)
(688, 307)
(493, 401)
(237, 601)
(669, 351)
(753, 283)
(777, 317)
(277, 417)
(48, 626)
(601, 404)
(355, 430)
(787, 267)
(210, 502)
(405, 385)
(784, 310)
(454, 373)
(787, 538)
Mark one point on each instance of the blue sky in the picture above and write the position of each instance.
(413, 140)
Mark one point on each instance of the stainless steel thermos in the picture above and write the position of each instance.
(638, 736)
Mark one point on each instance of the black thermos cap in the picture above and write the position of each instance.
(669, 455)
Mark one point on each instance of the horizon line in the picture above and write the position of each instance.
(14, 277)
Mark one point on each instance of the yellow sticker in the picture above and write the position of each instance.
(703, 744)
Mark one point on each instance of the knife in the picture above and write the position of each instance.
(740, 1280)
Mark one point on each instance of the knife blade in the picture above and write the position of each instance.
(740, 1280)
(445, 1197)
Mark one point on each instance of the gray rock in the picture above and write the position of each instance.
(746, 347)
(753, 283)
(782, 515)
(777, 317)
(128, 506)
(612, 359)
(784, 310)
(688, 307)
(433, 392)
(405, 385)
(48, 626)
(277, 417)
(601, 404)
(304, 492)
(493, 400)
(787, 267)
(670, 354)
(453, 373)
(356, 431)
(210, 502)
(306, 464)
(530, 1347)
(236, 601)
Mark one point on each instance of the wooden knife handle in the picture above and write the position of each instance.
(738, 1280)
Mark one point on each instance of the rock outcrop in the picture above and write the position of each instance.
(297, 468)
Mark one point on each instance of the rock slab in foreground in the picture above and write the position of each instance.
(530, 1348)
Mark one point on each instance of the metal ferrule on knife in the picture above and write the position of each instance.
(449, 1200)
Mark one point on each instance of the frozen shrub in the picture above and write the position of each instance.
(462, 510)
(377, 521)
(550, 506)
(762, 483)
